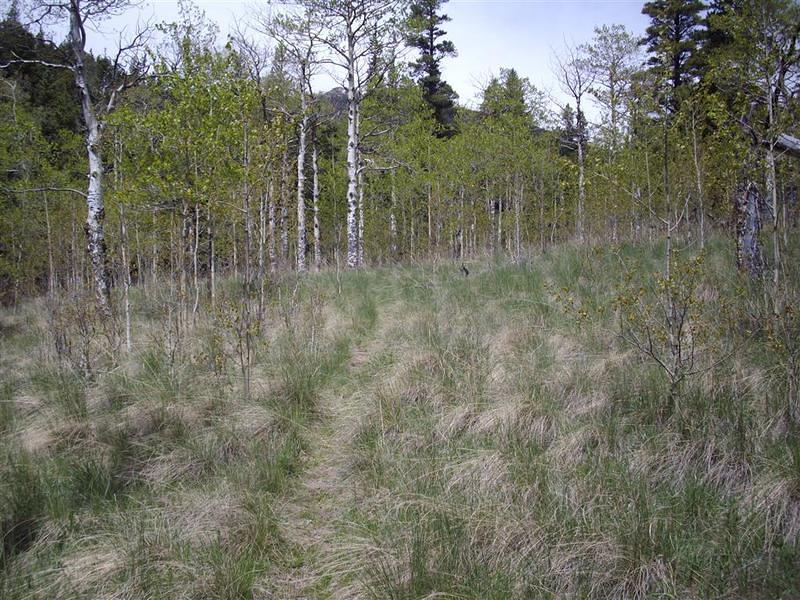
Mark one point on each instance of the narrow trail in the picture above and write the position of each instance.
(309, 512)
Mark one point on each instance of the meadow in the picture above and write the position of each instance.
(410, 432)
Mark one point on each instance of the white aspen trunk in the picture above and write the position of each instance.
(699, 183)
(474, 227)
(301, 178)
(430, 220)
(412, 232)
(248, 217)
(184, 267)
(154, 261)
(195, 263)
(461, 228)
(772, 191)
(139, 266)
(499, 240)
(393, 218)
(517, 214)
(315, 200)
(235, 253)
(649, 200)
(581, 191)
(360, 217)
(262, 234)
(262, 242)
(490, 235)
(212, 262)
(126, 276)
(352, 154)
(95, 235)
(285, 207)
(51, 273)
(271, 241)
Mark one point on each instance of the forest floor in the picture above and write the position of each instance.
(409, 433)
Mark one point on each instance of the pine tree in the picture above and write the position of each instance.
(425, 35)
(672, 40)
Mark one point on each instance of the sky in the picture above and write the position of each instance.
(488, 34)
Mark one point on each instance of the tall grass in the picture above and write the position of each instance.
(413, 433)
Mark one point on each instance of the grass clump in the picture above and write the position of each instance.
(63, 390)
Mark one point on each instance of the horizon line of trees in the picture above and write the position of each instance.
(207, 161)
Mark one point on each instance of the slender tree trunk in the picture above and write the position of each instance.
(430, 220)
(195, 263)
(248, 215)
(301, 179)
(499, 240)
(361, 208)
(517, 214)
(139, 266)
(271, 241)
(315, 200)
(285, 207)
(126, 276)
(393, 217)
(212, 261)
(581, 190)
(352, 154)
(699, 183)
(234, 245)
(262, 243)
(95, 235)
(154, 260)
(262, 234)
(51, 273)
(772, 191)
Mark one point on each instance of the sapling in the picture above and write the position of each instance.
(663, 320)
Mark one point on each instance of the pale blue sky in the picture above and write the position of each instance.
(524, 34)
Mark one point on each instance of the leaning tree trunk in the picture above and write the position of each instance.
(749, 255)
(95, 235)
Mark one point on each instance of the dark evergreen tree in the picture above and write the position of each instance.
(426, 35)
(672, 40)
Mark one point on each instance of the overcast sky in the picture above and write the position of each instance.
(488, 34)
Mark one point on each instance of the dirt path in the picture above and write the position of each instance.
(309, 513)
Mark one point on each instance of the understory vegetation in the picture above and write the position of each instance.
(412, 433)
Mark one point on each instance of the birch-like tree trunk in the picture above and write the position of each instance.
(698, 176)
(51, 273)
(393, 218)
(212, 259)
(126, 276)
(301, 174)
(581, 188)
(352, 154)
(95, 234)
(315, 200)
(519, 190)
(361, 216)
(284, 224)
(271, 241)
